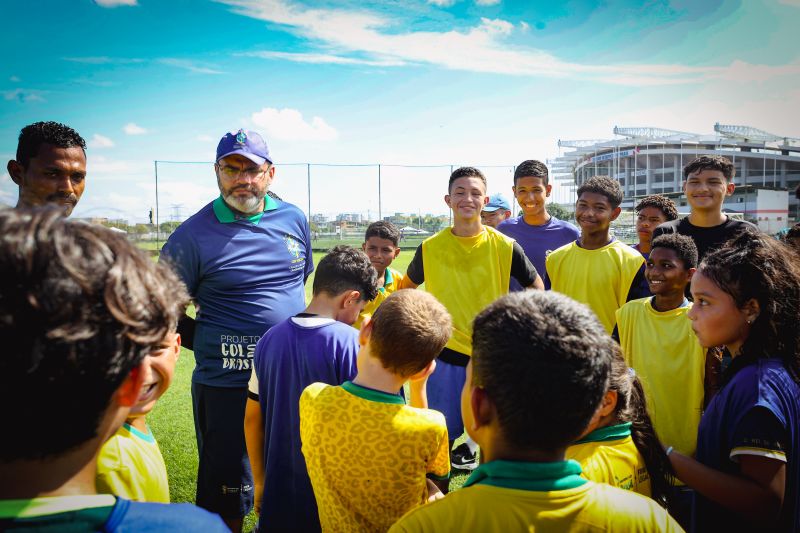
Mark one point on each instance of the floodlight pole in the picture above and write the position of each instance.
(158, 240)
(380, 212)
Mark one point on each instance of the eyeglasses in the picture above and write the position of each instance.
(233, 172)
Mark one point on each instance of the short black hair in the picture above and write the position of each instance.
(80, 307)
(544, 360)
(666, 205)
(383, 229)
(793, 233)
(531, 168)
(604, 185)
(346, 269)
(710, 162)
(465, 172)
(33, 136)
(683, 245)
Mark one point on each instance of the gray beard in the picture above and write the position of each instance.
(250, 206)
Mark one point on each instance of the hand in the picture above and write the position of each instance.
(433, 491)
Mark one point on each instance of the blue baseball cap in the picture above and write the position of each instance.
(245, 143)
(497, 201)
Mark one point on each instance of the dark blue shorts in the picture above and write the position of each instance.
(444, 395)
(224, 479)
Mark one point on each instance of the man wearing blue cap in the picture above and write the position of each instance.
(497, 210)
(245, 258)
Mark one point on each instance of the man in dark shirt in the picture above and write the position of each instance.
(709, 180)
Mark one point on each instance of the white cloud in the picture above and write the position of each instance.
(481, 48)
(132, 128)
(205, 138)
(24, 96)
(323, 58)
(100, 141)
(188, 65)
(14, 79)
(442, 3)
(288, 124)
(8, 190)
(487, 2)
(793, 3)
(115, 3)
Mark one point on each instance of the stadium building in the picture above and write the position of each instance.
(651, 160)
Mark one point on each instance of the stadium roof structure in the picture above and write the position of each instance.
(725, 135)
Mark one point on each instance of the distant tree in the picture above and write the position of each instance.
(169, 226)
(559, 211)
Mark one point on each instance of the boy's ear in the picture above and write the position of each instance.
(482, 407)
(396, 252)
(176, 345)
(425, 372)
(608, 404)
(365, 332)
(15, 170)
(447, 200)
(363, 246)
(514, 190)
(485, 200)
(351, 298)
(615, 213)
(128, 392)
(690, 273)
(548, 189)
(730, 188)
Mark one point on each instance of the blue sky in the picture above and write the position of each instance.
(414, 82)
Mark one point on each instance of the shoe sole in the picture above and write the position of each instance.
(470, 466)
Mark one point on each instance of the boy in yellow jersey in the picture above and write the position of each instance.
(658, 343)
(676, 372)
(130, 463)
(597, 269)
(367, 452)
(466, 267)
(381, 246)
(539, 368)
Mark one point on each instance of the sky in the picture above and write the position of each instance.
(413, 85)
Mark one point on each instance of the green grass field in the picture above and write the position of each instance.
(173, 425)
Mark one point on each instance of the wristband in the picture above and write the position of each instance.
(668, 451)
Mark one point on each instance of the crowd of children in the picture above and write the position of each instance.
(659, 391)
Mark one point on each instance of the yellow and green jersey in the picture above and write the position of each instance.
(368, 454)
(666, 355)
(600, 278)
(540, 497)
(391, 282)
(130, 465)
(608, 455)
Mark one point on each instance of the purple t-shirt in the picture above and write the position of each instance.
(538, 241)
(291, 356)
(764, 387)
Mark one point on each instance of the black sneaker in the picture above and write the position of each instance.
(463, 459)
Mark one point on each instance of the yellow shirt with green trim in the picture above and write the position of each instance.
(391, 281)
(599, 278)
(130, 465)
(541, 497)
(609, 455)
(466, 274)
(368, 454)
(666, 355)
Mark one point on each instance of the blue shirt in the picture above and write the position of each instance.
(764, 384)
(245, 275)
(290, 357)
(538, 241)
